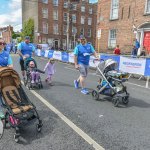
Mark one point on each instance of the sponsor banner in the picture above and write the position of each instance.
(71, 57)
(46, 53)
(64, 57)
(132, 65)
(147, 67)
(57, 55)
(114, 57)
(50, 54)
(38, 52)
(91, 64)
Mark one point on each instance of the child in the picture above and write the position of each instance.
(50, 67)
(34, 72)
(117, 50)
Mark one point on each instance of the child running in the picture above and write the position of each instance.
(50, 69)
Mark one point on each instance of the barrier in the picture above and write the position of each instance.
(139, 66)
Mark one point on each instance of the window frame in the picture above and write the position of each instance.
(146, 8)
(110, 39)
(45, 1)
(45, 15)
(55, 17)
(55, 2)
(113, 8)
(45, 29)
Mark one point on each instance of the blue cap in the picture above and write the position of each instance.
(27, 38)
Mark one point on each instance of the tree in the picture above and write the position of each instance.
(15, 35)
(28, 29)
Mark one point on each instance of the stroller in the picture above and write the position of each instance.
(19, 111)
(27, 82)
(111, 82)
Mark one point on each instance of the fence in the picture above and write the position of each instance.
(138, 66)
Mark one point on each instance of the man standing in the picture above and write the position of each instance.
(82, 54)
(25, 49)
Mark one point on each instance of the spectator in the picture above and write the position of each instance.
(143, 51)
(117, 50)
(134, 52)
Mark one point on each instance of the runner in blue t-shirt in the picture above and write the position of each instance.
(82, 53)
(25, 49)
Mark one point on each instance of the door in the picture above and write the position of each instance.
(146, 41)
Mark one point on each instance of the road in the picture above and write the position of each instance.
(123, 128)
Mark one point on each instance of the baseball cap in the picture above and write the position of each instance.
(27, 38)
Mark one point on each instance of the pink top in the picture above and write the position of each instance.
(50, 68)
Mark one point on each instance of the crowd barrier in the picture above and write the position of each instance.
(139, 66)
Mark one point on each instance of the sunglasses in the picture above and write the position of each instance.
(2, 43)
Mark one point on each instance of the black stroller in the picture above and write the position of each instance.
(111, 82)
(27, 82)
(19, 111)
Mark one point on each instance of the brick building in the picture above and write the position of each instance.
(50, 17)
(6, 33)
(120, 21)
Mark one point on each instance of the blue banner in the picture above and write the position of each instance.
(50, 53)
(65, 57)
(147, 67)
(42, 53)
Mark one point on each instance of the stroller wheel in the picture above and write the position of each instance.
(16, 137)
(125, 100)
(115, 101)
(39, 127)
(95, 95)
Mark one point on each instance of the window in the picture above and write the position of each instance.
(74, 30)
(55, 2)
(82, 8)
(44, 40)
(114, 9)
(45, 27)
(89, 33)
(65, 16)
(55, 14)
(65, 29)
(82, 19)
(147, 7)
(74, 6)
(112, 38)
(65, 4)
(45, 12)
(82, 31)
(89, 21)
(45, 1)
(74, 18)
(90, 10)
(55, 28)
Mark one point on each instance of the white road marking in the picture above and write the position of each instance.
(81, 133)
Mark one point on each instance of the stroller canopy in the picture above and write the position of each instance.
(108, 65)
(8, 76)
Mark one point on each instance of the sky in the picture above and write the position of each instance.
(10, 13)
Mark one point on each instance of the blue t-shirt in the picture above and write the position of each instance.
(83, 53)
(26, 49)
(5, 59)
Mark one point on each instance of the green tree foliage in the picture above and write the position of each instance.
(15, 35)
(28, 29)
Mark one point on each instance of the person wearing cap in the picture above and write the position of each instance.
(82, 53)
(5, 58)
(25, 49)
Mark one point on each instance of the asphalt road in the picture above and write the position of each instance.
(123, 128)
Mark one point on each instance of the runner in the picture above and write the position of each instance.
(82, 54)
(25, 49)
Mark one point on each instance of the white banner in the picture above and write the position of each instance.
(71, 57)
(38, 52)
(132, 65)
(57, 55)
(46, 53)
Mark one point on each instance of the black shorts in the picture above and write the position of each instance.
(22, 65)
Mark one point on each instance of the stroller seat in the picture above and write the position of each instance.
(14, 100)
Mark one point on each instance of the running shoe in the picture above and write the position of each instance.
(76, 84)
(84, 91)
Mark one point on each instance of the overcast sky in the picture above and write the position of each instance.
(10, 13)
